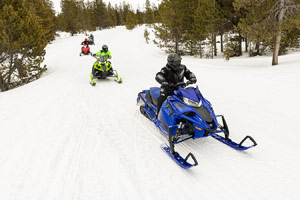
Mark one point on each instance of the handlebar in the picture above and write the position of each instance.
(182, 84)
(98, 56)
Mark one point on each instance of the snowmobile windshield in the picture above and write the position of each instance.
(102, 59)
(192, 94)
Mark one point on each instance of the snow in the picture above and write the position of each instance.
(61, 138)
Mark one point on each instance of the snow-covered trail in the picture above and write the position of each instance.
(61, 138)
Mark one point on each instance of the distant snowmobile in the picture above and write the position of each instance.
(184, 115)
(85, 50)
(102, 69)
(91, 41)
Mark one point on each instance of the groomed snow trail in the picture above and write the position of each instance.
(61, 138)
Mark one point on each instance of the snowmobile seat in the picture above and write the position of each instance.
(155, 93)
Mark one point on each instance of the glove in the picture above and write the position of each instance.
(192, 81)
(164, 84)
(189, 82)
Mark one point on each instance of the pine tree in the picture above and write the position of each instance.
(149, 16)
(139, 16)
(202, 25)
(228, 18)
(71, 16)
(251, 25)
(112, 19)
(24, 36)
(44, 9)
(157, 18)
(91, 14)
(101, 14)
(125, 9)
(119, 14)
(84, 18)
(269, 20)
(131, 20)
(146, 35)
(187, 20)
(169, 34)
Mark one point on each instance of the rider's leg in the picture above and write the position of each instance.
(111, 70)
(93, 73)
(164, 93)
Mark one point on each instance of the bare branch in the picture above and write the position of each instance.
(292, 10)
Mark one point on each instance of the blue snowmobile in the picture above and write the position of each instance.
(185, 115)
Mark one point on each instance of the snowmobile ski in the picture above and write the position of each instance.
(92, 84)
(118, 79)
(178, 159)
(234, 145)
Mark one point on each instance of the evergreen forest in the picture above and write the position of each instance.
(203, 28)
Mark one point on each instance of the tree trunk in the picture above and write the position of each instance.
(191, 48)
(19, 66)
(200, 48)
(221, 42)
(176, 45)
(278, 34)
(276, 48)
(215, 44)
(212, 46)
(240, 44)
(250, 49)
(10, 71)
(257, 49)
(1, 83)
(246, 44)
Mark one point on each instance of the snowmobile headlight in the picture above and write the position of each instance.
(191, 102)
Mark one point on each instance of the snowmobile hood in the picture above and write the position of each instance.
(191, 93)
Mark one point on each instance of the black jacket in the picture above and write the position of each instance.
(168, 75)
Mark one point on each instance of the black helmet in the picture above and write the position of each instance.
(105, 48)
(174, 61)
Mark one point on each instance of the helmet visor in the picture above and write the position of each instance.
(105, 48)
(175, 63)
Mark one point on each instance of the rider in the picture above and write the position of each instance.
(85, 46)
(91, 37)
(173, 73)
(85, 42)
(103, 52)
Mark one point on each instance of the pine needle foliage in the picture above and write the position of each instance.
(25, 30)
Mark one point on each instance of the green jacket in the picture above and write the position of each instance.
(101, 52)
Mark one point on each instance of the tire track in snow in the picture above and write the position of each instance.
(80, 148)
